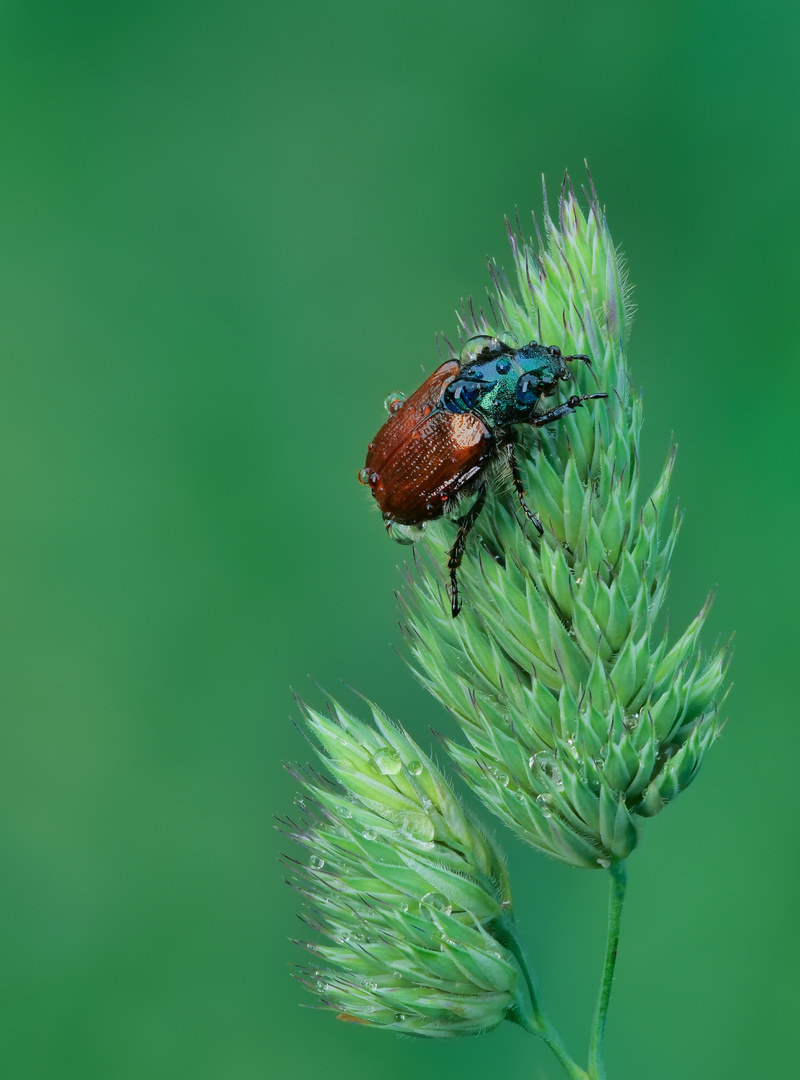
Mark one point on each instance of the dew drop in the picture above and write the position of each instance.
(414, 767)
(437, 900)
(387, 761)
(363, 476)
(396, 975)
(368, 984)
(316, 863)
(500, 777)
(370, 834)
(404, 907)
(322, 987)
(425, 802)
(393, 402)
(400, 1017)
(417, 826)
(345, 812)
(605, 863)
(405, 534)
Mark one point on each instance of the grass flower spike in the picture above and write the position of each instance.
(542, 632)
(406, 888)
(581, 718)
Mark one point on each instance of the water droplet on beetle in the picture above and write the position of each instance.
(393, 402)
(364, 475)
(316, 863)
(414, 767)
(503, 367)
(387, 761)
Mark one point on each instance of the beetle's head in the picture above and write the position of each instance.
(542, 369)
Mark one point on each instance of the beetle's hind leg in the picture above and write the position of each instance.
(516, 480)
(465, 524)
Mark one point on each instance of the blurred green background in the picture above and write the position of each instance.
(226, 232)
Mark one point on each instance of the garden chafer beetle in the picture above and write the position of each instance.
(439, 445)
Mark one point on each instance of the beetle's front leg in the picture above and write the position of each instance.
(516, 480)
(465, 524)
(564, 409)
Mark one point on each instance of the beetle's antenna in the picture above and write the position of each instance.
(579, 356)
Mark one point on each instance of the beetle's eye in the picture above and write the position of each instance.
(529, 389)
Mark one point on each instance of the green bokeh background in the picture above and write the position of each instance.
(226, 232)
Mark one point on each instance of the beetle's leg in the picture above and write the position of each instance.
(465, 524)
(564, 409)
(516, 480)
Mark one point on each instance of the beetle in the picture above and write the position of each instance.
(439, 445)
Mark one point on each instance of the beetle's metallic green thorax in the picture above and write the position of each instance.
(504, 386)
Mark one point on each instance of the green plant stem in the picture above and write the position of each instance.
(535, 1020)
(597, 1065)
